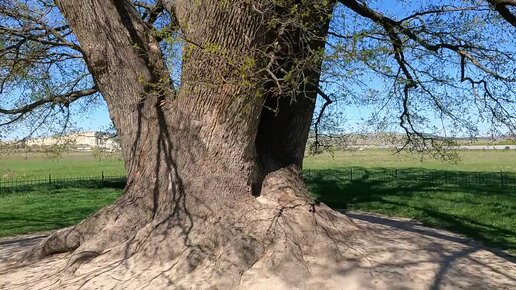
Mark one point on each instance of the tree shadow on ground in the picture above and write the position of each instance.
(441, 258)
(482, 211)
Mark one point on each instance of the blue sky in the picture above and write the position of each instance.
(355, 111)
(96, 120)
(458, 95)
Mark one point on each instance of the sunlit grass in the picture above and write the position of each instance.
(471, 160)
(425, 191)
(41, 208)
(485, 213)
(37, 165)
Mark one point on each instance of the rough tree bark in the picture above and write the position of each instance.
(214, 181)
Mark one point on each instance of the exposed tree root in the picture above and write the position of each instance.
(282, 234)
(224, 256)
(103, 229)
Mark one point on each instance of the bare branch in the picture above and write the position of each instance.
(440, 10)
(36, 24)
(327, 101)
(65, 100)
(391, 26)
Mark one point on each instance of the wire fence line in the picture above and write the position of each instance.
(20, 183)
(412, 176)
(402, 177)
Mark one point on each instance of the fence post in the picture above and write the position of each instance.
(445, 177)
(501, 177)
(396, 173)
(351, 174)
(49, 179)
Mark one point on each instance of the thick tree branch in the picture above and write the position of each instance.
(501, 7)
(327, 101)
(65, 100)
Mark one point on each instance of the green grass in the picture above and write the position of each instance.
(41, 208)
(486, 213)
(73, 164)
(472, 160)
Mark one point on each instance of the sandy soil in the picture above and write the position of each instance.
(404, 255)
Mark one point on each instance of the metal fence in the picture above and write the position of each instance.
(399, 176)
(20, 183)
(408, 176)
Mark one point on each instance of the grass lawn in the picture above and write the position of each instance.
(471, 160)
(73, 164)
(486, 213)
(78, 164)
(41, 208)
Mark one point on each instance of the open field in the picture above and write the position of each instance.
(488, 142)
(73, 164)
(489, 160)
(486, 213)
(42, 208)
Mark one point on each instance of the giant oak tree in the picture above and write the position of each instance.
(214, 161)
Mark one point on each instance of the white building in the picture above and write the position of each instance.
(81, 141)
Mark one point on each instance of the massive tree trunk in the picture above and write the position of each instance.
(214, 181)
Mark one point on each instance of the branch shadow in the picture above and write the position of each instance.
(451, 253)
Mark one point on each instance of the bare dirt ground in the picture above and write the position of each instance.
(401, 254)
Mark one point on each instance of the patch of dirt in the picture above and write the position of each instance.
(400, 254)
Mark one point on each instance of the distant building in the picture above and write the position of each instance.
(80, 141)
